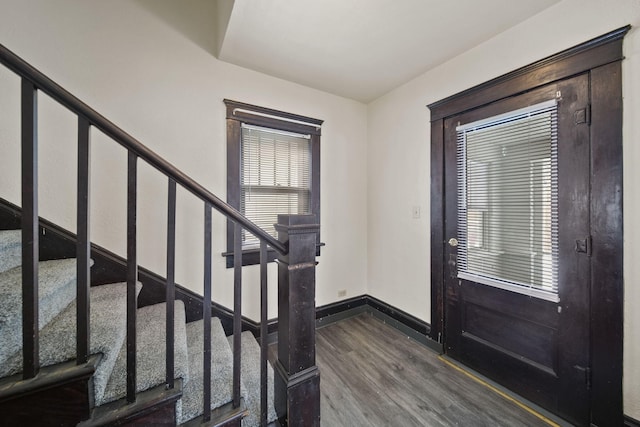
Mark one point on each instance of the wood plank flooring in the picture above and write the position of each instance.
(373, 375)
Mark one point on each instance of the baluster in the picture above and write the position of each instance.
(206, 312)
(237, 311)
(83, 245)
(263, 334)
(30, 238)
(171, 290)
(132, 275)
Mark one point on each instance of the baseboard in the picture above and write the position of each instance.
(631, 422)
(413, 327)
(57, 243)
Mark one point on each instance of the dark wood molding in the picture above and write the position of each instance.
(156, 406)
(630, 422)
(58, 243)
(413, 327)
(607, 284)
(238, 113)
(223, 416)
(64, 393)
(288, 122)
(437, 229)
(296, 376)
(583, 57)
(600, 58)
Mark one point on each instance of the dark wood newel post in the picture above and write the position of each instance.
(297, 379)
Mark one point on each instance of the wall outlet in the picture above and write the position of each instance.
(342, 293)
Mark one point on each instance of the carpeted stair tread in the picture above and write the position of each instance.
(107, 328)
(56, 290)
(151, 349)
(10, 249)
(250, 377)
(221, 370)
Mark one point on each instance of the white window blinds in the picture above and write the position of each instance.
(507, 201)
(275, 177)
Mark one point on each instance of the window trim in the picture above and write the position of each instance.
(238, 113)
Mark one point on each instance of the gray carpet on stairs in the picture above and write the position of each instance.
(57, 288)
(108, 330)
(10, 249)
(57, 322)
(221, 370)
(250, 377)
(151, 349)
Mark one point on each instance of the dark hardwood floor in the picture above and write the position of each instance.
(373, 375)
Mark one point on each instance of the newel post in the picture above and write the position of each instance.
(297, 379)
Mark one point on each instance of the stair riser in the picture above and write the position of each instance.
(61, 405)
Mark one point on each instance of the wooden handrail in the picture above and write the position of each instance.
(297, 395)
(45, 84)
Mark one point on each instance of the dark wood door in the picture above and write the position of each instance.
(535, 347)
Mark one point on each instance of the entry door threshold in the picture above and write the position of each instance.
(551, 419)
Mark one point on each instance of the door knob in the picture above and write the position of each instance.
(453, 242)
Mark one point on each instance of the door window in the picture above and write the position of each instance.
(507, 201)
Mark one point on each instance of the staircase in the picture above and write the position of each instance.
(108, 330)
(77, 351)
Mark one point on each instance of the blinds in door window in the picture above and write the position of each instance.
(507, 201)
(275, 177)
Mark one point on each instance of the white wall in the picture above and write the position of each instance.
(398, 156)
(137, 63)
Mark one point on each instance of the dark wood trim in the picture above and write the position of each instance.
(30, 240)
(296, 376)
(437, 229)
(156, 406)
(329, 310)
(235, 120)
(206, 314)
(45, 84)
(575, 60)
(264, 333)
(600, 57)
(132, 274)
(83, 244)
(170, 294)
(223, 416)
(607, 285)
(415, 328)
(58, 243)
(630, 422)
(237, 313)
(401, 316)
(64, 394)
(312, 125)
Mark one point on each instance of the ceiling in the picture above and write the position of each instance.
(359, 49)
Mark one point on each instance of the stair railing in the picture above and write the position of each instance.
(297, 377)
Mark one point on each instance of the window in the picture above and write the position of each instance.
(507, 201)
(273, 167)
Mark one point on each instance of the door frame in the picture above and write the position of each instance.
(601, 58)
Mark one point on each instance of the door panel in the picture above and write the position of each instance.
(511, 333)
(537, 348)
